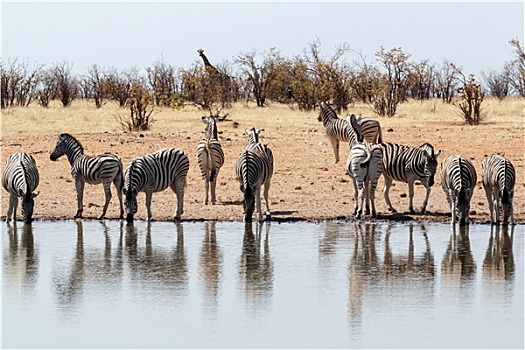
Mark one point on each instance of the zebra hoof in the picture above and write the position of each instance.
(176, 218)
(392, 210)
(367, 212)
(411, 210)
(374, 214)
(268, 216)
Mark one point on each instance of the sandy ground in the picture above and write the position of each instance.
(306, 184)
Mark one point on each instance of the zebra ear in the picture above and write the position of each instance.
(204, 119)
(35, 194)
(358, 118)
(436, 155)
(258, 131)
(247, 131)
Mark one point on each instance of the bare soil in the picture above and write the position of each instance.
(306, 184)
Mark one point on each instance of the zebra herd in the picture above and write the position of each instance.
(369, 157)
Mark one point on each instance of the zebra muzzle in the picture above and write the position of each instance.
(129, 218)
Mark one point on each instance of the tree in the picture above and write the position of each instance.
(162, 81)
(94, 84)
(18, 83)
(446, 81)
(516, 69)
(66, 84)
(259, 77)
(497, 83)
(141, 108)
(471, 97)
(421, 80)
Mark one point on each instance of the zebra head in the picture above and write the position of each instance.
(130, 192)
(463, 205)
(253, 135)
(248, 202)
(65, 142)
(354, 130)
(430, 163)
(325, 112)
(506, 196)
(211, 127)
(28, 203)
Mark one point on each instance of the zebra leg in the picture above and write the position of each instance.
(356, 191)
(266, 191)
(386, 189)
(425, 202)
(411, 197)
(13, 203)
(206, 190)
(107, 193)
(149, 195)
(453, 207)
(335, 146)
(367, 197)
(178, 188)
(362, 188)
(373, 186)
(497, 205)
(79, 184)
(118, 185)
(258, 201)
(488, 193)
(213, 185)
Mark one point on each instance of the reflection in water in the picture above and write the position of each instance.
(165, 268)
(499, 258)
(458, 262)
(364, 269)
(256, 267)
(89, 268)
(210, 267)
(409, 262)
(21, 261)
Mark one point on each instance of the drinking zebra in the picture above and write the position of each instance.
(458, 179)
(254, 167)
(408, 164)
(337, 129)
(210, 157)
(20, 179)
(105, 168)
(154, 172)
(498, 178)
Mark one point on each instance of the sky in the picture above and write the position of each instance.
(473, 35)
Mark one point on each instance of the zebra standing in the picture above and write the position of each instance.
(105, 168)
(498, 178)
(253, 168)
(364, 165)
(20, 179)
(458, 179)
(408, 164)
(154, 172)
(210, 157)
(337, 129)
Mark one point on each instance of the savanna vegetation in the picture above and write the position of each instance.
(384, 84)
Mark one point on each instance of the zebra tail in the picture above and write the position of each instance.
(211, 163)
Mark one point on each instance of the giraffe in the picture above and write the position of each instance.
(209, 67)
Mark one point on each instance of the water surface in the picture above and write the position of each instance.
(74, 284)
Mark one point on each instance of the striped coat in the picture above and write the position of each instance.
(20, 179)
(103, 169)
(458, 179)
(254, 168)
(338, 130)
(408, 164)
(154, 172)
(499, 177)
(210, 157)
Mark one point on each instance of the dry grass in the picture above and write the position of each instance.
(306, 183)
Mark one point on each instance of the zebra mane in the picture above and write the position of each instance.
(71, 137)
(327, 111)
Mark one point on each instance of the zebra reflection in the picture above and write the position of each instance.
(499, 258)
(256, 266)
(210, 266)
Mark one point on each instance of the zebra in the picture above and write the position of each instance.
(210, 157)
(254, 167)
(408, 164)
(154, 172)
(105, 168)
(337, 129)
(458, 179)
(498, 177)
(20, 179)
(364, 164)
